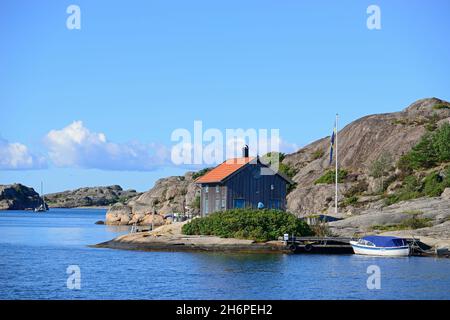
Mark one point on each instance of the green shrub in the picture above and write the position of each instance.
(329, 177)
(441, 143)
(433, 185)
(408, 224)
(319, 153)
(284, 168)
(432, 149)
(259, 225)
(350, 200)
(440, 106)
(415, 223)
(200, 173)
(410, 190)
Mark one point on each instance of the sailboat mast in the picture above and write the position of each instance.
(42, 193)
(337, 167)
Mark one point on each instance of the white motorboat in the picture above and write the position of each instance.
(381, 246)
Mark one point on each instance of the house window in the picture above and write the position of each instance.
(223, 203)
(206, 189)
(239, 203)
(206, 206)
(217, 204)
(217, 189)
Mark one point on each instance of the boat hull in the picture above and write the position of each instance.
(380, 251)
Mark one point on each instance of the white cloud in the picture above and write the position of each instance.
(76, 146)
(16, 156)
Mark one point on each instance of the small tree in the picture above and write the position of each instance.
(441, 143)
(381, 167)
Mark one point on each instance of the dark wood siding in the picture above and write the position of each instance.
(248, 185)
(253, 188)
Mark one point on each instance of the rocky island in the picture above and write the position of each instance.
(18, 197)
(378, 192)
(90, 197)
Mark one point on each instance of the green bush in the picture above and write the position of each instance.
(433, 185)
(350, 200)
(432, 149)
(259, 225)
(284, 168)
(329, 177)
(440, 106)
(411, 190)
(415, 222)
(441, 143)
(319, 153)
(200, 173)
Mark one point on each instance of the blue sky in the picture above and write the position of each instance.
(138, 70)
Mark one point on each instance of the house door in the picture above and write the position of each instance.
(239, 203)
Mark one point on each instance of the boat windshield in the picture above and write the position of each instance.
(366, 243)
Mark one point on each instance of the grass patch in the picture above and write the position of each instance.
(413, 223)
(330, 177)
(350, 201)
(413, 212)
(318, 154)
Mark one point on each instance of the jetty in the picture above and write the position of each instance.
(328, 245)
(341, 245)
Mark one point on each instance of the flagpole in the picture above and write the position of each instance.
(337, 168)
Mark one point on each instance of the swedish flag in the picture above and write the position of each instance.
(333, 139)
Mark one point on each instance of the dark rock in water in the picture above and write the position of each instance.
(90, 197)
(18, 197)
(100, 222)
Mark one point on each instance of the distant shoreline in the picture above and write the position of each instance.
(85, 207)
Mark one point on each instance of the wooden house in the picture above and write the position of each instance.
(242, 183)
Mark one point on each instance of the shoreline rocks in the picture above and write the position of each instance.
(169, 195)
(18, 197)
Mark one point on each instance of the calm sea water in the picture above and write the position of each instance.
(36, 249)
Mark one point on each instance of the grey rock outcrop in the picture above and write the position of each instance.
(90, 196)
(436, 211)
(18, 197)
(169, 195)
(360, 143)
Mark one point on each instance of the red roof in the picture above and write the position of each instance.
(224, 170)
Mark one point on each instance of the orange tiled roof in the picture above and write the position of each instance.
(224, 170)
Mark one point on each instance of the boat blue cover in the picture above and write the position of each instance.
(383, 241)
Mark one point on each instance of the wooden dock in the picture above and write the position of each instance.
(326, 245)
(341, 245)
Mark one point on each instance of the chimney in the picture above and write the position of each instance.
(245, 151)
